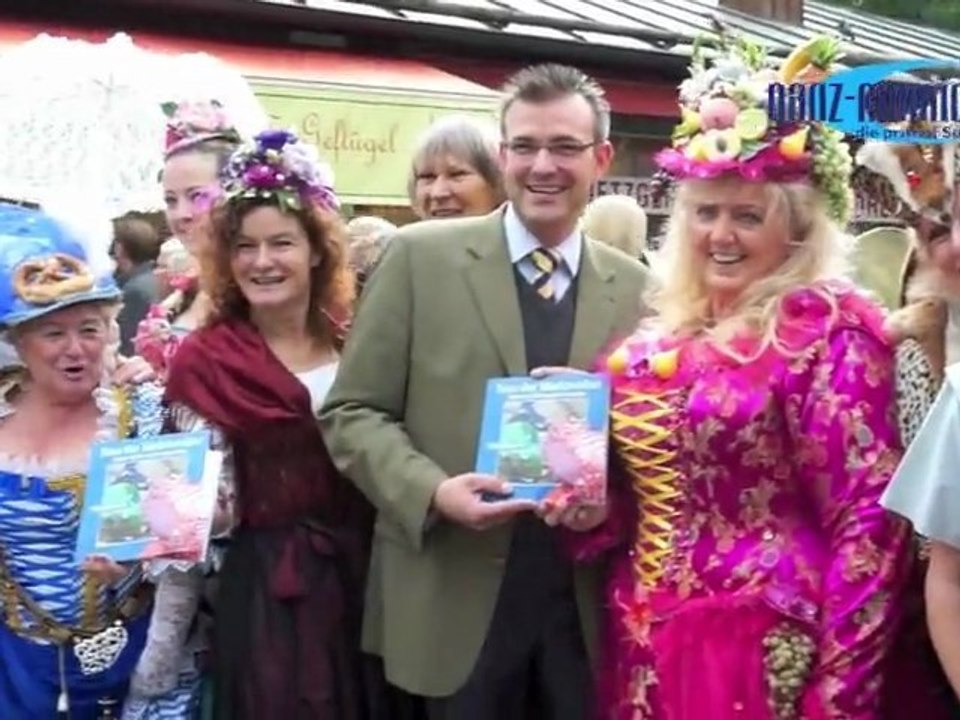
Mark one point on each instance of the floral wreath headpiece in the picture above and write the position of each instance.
(193, 122)
(726, 128)
(278, 164)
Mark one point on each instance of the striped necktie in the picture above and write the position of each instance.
(546, 263)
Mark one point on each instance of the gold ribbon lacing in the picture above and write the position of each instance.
(648, 461)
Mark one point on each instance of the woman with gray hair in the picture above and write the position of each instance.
(368, 236)
(454, 171)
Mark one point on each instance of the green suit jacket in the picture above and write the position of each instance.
(439, 317)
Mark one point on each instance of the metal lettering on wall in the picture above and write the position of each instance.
(870, 205)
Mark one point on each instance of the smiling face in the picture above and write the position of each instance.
(740, 234)
(449, 186)
(189, 187)
(271, 261)
(551, 160)
(63, 351)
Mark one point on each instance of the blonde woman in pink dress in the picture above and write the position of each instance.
(753, 574)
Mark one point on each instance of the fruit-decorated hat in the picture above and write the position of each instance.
(44, 267)
(190, 123)
(726, 128)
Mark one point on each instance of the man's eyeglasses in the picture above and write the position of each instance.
(560, 149)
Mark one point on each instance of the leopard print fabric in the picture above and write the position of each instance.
(916, 388)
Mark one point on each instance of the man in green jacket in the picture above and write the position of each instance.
(472, 603)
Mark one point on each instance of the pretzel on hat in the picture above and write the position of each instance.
(44, 281)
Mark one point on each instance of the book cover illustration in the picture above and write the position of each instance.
(150, 498)
(547, 437)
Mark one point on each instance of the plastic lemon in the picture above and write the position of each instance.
(752, 123)
(689, 124)
(664, 364)
(793, 145)
(697, 148)
(618, 360)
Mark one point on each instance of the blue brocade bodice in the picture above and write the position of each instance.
(39, 520)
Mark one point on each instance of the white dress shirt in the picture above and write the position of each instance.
(521, 242)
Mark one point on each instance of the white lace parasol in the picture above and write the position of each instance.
(82, 129)
(84, 120)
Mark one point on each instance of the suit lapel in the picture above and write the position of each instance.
(596, 309)
(489, 275)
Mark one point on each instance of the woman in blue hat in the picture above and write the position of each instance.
(69, 635)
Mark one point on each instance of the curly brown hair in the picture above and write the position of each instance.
(331, 281)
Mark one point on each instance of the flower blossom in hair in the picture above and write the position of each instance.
(278, 164)
(194, 122)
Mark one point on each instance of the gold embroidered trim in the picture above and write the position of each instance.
(15, 597)
(124, 412)
(75, 484)
(655, 481)
(11, 607)
(47, 626)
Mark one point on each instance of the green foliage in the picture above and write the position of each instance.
(942, 14)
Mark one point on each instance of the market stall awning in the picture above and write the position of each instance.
(281, 63)
(648, 98)
(363, 113)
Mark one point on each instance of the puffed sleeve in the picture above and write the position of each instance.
(926, 486)
(179, 584)
(848, 447)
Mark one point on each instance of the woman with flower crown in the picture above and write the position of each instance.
(69, 635)
(199, 141)
(285, 642)
(754, 574)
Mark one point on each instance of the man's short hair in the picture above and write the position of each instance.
(138, 238)
(550, 81)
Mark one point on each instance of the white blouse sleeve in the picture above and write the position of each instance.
(179, 585)
(185, 420)
(926, 487)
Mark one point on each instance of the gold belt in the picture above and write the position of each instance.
(47, 626)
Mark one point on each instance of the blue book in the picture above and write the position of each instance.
(541, 435)
(150, 498)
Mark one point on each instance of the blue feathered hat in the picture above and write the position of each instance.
(43, 267)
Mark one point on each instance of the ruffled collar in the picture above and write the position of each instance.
(110, 404)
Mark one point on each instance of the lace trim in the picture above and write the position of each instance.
(184, 419)
(116, 420)
(169, 650)
(116, 416)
